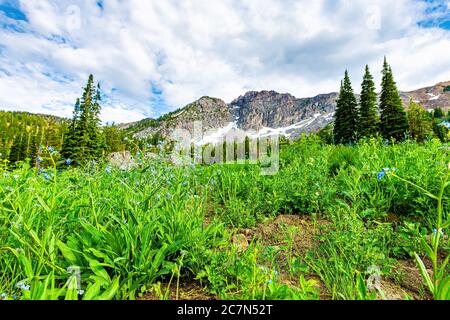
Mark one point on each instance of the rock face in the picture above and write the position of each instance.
(269, 109)
(437, 96)
(268, 112)
(212, 112)
(253, 112)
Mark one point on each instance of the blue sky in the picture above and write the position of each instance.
(155, 56)
(437, 14)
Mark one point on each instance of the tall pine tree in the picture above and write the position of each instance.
(394, 122)
(84, 140)
(97, 141)
(69, 149)
(83, 127)
(18, 149)
(369, 119)
(346, 118)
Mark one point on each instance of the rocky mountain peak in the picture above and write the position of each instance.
(262, 98)
(269, 112)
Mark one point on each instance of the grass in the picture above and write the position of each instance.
(102, 233)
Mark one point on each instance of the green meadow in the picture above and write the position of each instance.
(367, 221)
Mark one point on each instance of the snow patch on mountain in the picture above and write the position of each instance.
(433, 96)
(232, 129)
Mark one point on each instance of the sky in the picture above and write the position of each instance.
(155, 56)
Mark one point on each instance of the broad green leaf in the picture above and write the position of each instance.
(66, 252)
(424, 273)
(111, 291)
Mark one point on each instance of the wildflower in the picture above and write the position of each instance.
(263, 268)
(51, 149)
(80, 292)
(445, 123)
(16, 176)
(440, 231)
(45, 175)
(38, 160)
(17, 225)
(108, 170)
(22, 285)
(380, 175)
(3, 296)
(69, 162)
(269, 281)
(169, 196)
(183, 253)
(384, 172)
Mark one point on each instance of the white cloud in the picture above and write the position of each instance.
(219, 48)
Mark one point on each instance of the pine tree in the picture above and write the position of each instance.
(440, 131)
(369, 120)
(97, 141)
(114, 139)
(82, 131)
(346, 118)
(420, 122)
(69, 149)
(84, 139)
(394, 122)
(438, 113)
(18, 149)
(34, 146)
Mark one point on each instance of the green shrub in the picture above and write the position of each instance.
(341, 158)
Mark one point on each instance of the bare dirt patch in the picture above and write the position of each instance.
(285, 229)
(393, 291)
(187, 290)
(410, 279)
(299, 233)
(294, 233)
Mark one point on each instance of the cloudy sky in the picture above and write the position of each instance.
(154, 56)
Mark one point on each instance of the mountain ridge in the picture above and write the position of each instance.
(268, 112)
